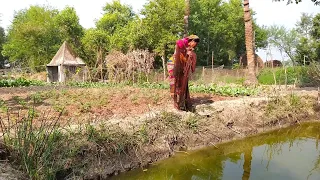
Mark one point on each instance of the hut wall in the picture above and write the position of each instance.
(61, 74)
(74, 73)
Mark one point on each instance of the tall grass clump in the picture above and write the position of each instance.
(33, 145)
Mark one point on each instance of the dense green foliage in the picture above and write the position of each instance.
(221, 28)
(37, 32)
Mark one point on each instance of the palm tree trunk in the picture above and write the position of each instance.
(251, 79)
(186, 18)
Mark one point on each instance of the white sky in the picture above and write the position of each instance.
(267, 12)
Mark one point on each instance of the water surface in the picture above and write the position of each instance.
(287, 154)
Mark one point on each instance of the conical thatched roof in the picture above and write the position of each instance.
(66, 56)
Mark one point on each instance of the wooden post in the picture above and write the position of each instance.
(212, 61)
(203, 73)
(285, 73)
(318, 96)
(212, 65)
(164, 67)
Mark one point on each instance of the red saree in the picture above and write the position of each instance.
(185, 61)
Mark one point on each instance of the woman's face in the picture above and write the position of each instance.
(193, 44)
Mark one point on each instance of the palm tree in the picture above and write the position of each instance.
(251, 79)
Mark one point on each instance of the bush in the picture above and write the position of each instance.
(298, 75)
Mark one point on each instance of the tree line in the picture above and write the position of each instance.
(300, 44)
(37, 32)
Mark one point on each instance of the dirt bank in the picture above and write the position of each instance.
(106, 148)
(158, 135)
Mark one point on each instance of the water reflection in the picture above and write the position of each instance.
(286, 154)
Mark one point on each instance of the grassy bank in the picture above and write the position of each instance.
(48, 149)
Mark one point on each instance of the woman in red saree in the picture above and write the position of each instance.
(184, 61)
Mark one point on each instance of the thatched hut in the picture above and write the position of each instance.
(273, 63)
(243, 62)
(66, 65)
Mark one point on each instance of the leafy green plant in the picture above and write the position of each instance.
(85, 107)
(20, 101)
(3, 105)
(224, 90)
(36, 98)
(192, 123)
(20, 82)
(236, 66)
(227, 90)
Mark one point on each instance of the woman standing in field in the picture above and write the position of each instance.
(179, 66)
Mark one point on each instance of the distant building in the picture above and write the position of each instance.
(273, 63)
(66, 66)
(243, 62)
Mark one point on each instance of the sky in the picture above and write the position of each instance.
(267, 12)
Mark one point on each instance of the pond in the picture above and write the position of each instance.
(291, 153)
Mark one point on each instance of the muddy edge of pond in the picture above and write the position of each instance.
(136, 142)
(162, 134)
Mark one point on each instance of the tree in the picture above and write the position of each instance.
(163, 22)
(306, 47)
(304, 25)
(118, 21)
(252, 79)
(70, 29)
(33, 38)
(116, 15)
(316, 2)
(2, 41)
(315, 32)
(95, 43)
(285, 40)
(186, 17)
(221, 28)
(37, 33)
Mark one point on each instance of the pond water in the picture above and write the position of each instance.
(291, 153)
